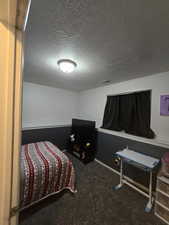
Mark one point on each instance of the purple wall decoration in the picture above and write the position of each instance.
(164, 105)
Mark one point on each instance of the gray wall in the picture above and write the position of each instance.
(108, 144)
(56, 135)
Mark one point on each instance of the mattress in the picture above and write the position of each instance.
(45, 170)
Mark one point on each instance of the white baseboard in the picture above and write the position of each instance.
(118, 173)
(127, 178)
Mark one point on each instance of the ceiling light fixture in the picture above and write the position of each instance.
(67, 65)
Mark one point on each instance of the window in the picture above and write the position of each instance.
(130, 113)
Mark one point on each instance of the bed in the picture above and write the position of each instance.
(45, 170)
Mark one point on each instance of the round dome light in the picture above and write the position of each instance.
(67, 65)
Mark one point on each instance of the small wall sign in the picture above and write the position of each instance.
(164, 105)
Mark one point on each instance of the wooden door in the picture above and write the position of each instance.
(12, 22)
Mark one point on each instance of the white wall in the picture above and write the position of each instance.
(92, 102)
(45, 106)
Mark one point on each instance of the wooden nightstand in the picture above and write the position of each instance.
(162, 199)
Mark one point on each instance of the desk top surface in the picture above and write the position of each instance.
(139, 158)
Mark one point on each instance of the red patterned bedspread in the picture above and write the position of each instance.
(45, 170)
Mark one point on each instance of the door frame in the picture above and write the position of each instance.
(13, 14)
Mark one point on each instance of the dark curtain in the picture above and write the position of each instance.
(111, 118)
(130, 113)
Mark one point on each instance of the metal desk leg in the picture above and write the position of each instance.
(150, 202)
(121, 176)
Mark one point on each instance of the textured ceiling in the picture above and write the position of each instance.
(114, 40)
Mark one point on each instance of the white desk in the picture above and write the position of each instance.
(143, 162)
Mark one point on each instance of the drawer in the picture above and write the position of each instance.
(162, 212)
(162, 199)
(163, 186)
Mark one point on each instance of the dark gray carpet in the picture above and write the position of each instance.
(94, 204)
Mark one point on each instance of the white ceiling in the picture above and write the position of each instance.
(114, 40)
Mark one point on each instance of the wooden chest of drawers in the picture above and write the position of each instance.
(162, 199)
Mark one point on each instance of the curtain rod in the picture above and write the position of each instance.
(127, 93)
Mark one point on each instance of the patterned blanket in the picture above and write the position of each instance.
(45, 170)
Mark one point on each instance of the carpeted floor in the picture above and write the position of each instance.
(95, 203)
